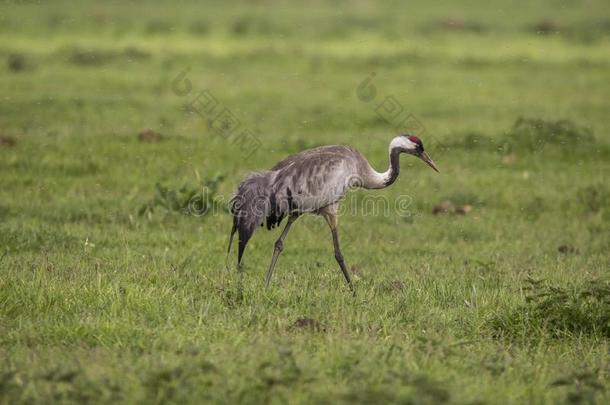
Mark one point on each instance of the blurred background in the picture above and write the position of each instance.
(102, 100)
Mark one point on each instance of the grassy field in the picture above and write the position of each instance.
(113, 286)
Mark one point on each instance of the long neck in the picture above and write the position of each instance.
(378, 180)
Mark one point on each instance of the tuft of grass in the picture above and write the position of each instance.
(581, 386)
(402, 388)
(92, 57)
(17, 62)
(528, 135)
(534, 208)
(594, 198)
(558, 311)
(534, 134)
(187, 199)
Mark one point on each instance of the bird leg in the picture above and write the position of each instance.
(279, 246)
(331, 218)
(233, 230)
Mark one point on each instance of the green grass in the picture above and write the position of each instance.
(110, 291)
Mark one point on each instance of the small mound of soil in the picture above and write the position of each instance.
(150, 136)
(7, 141)
(567, 249)
(546, 27)
(306, 324)
(448, 207)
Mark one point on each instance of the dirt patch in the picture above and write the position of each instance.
(546, 27)
(17, 62)
(448, 207)
(150, 136)
(567, 250)
(444, 207)
(306, 324)
(463, 210)
(558, 311)
(7, 141)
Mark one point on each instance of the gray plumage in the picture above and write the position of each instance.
(312, 181)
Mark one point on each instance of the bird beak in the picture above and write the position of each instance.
(424, 156)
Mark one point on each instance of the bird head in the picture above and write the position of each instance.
(412, 145)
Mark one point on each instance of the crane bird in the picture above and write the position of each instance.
(311, 181)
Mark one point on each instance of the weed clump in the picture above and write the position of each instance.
(17, 62)
(98, 57)
(581, 386)
(189, 200)
(534, 208)
(558, 311)
(402, 388)
(588, 31)
(534, 134)
(175, 383)
(528, 135)
(593, 199)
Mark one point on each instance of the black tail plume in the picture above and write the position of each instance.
(249, 207)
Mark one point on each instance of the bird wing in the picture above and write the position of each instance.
(311, 179)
